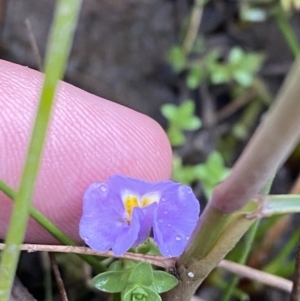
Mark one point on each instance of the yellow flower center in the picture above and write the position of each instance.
(130, 201)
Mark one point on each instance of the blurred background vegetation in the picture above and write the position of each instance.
(206, 71)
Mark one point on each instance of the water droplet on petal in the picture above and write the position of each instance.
(103, 188)
(178, 237)
(190, 190)
(169, 225)
(165, 212)
(187, 238)
(163, 199)
(160, 220)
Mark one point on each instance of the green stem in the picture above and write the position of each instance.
(212, 221)
(275, 266)
(192, 270)
(265, 152)
(51, 228)
(62, 31)
(245, 249)
(7, 190)
(287, 31)
(247, 244)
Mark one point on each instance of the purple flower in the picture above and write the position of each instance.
(119, 215)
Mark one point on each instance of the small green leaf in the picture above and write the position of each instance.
(185, 118)
(169, 111)
(243, 77)
(220, 74)
(163, 282)
(140, 293)
(177, 58)
(182, 174)
(111, 282)
(194, 78)
(194, 123)
(253, 15)
(187, 108)
(175, 136)
(142, 273)
(236, 55)
(211, 172)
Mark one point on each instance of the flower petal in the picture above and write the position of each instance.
(175, 218)
(145, 223)
(100, 223)
(122, 183)
(129, 234)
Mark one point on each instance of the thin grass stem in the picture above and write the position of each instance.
(51, 228)
(65, 20)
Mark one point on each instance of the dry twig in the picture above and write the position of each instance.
(253, 274)
(167, 263)
(59, 281)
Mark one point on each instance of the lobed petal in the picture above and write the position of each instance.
(175, 218)
(129, 233)
(101, 221)
(145, 223)
(124, 184)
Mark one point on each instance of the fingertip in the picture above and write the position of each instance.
(89, 139)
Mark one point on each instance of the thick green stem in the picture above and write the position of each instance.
(247, 244)
(203, 243)
(244, 250)
(57, 53)
(273, 141)
(271, 144)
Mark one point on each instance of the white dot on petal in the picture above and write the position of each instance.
(178, 237)
(103, 188)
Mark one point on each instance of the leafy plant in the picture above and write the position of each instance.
(209, 173)
(181, 118)
(240, 66)
(135, 281)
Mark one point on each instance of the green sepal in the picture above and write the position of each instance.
(163, 282)
(148, 247)
(112, 281)
(122, 264)
(140, 293)
(142, 274)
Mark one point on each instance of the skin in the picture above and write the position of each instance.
(89, 139)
